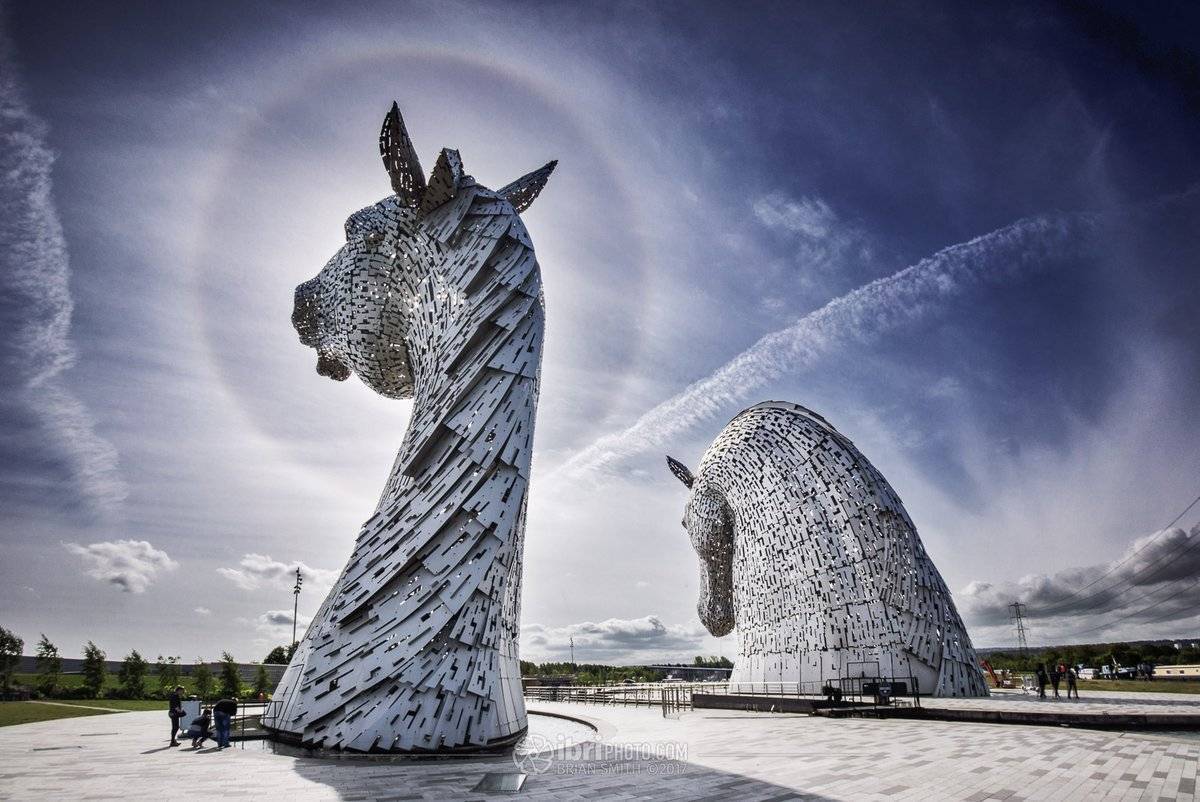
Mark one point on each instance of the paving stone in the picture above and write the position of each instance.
(732, 755)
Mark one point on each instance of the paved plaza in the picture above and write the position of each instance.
(1104, 702)
(638, 754)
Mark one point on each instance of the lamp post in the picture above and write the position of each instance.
(296, 605)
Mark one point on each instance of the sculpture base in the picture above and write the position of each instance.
(498, 745)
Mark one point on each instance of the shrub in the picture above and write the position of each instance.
(94, 670)
(231, 679)
(49, 665)
(132, 676)
(203, 679)
(10, 656)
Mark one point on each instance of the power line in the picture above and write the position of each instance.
(1071, 599)
(1180, 515)
(1127, 616)
(1191, 544)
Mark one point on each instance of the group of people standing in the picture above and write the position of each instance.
(221, 714)
(1055, 677)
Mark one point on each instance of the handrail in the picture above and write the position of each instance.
(673, 695)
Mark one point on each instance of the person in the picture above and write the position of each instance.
(1071, 686)
(223, 713)
(199, 731)
(1041, 680)
(1055, 679)
(175, 711)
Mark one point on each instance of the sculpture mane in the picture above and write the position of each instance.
(807, 551)
(437, 296)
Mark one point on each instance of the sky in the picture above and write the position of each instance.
(968, 237)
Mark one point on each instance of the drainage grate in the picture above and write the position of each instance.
(501, 782)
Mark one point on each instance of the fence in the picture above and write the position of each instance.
(672, 696)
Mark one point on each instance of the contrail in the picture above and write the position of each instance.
(858, 316)
(35, 278)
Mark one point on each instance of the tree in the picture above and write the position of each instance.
(132, 675)
(168, 673)
(49, 666)
(262, 682)
(231, 678)
(10, 656)
(203, 679)
(277, 656)
(94, 670)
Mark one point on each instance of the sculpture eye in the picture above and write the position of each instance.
(374, 238)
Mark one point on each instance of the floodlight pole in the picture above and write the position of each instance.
(296, 605)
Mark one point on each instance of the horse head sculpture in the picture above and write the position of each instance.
(436, 295)
(808, 552)
(358, 312)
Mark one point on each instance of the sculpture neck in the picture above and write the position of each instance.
(476, 360)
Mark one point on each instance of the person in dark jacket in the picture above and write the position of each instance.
(175, 711)
(1055, 679)
(199, 731)
(223, 713)
(1071, 686)
(1041, 681)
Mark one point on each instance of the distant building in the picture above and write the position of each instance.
(1177, 671)
(547, 679)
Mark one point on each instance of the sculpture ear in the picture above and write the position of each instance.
(400, 159)
(681, 473)
(444, 182)
(524, 191)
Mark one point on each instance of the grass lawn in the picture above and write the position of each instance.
(1140, 685)
(72, 681)
(120, 704)
(25, 712)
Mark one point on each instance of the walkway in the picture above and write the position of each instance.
(85, 707)
(700, 754)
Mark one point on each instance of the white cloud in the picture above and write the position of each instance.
(276, 618)
(860, 315)
(202, 611)
(35, 275)
(131, 565)
(615, 639)
(259, 570)
(275, 624)
(809, 217)
(826, 246)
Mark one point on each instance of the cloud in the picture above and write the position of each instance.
(202, 611)
(638, 639)
(273, 627)
(275, 624)
(35, 276)
(810, 217)
(131, 565)
(276, 618)
(1156, 581)
(259, 570)
(860, 315)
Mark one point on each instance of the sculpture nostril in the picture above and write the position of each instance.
(304, 313)
(331, 366)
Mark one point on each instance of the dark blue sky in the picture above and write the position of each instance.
(727, 174)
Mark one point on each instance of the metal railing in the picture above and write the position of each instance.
(642, 694)
(671, 696)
